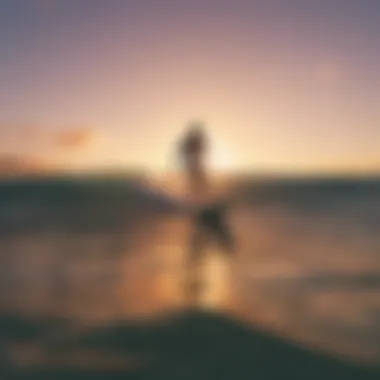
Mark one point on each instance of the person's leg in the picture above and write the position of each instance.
(215, 221)
(222, 235)
(196, 247)
(227, 240)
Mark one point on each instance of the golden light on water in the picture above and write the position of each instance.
(171, 277)
(217, 286)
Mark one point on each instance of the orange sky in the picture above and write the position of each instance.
(285, 86)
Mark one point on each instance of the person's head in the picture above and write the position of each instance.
(196, 129)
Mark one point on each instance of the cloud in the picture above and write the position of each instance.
(19, 164)
(73, 139)
(20, 137)
(27, 149)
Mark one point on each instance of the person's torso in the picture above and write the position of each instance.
(193, 146)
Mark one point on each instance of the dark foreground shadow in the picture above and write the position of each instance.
(191, 345)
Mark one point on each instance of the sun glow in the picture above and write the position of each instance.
(221, 158)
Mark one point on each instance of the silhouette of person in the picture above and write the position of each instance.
(192, 150)
(209, 221)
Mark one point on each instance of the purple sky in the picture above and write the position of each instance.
(286, 84)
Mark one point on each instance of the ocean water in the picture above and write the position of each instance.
(312, 255)
(99, 250)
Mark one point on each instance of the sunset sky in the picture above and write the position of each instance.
(281, 84)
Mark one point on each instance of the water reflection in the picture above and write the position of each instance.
(297, 284)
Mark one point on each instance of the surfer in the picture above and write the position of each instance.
(209, 219)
